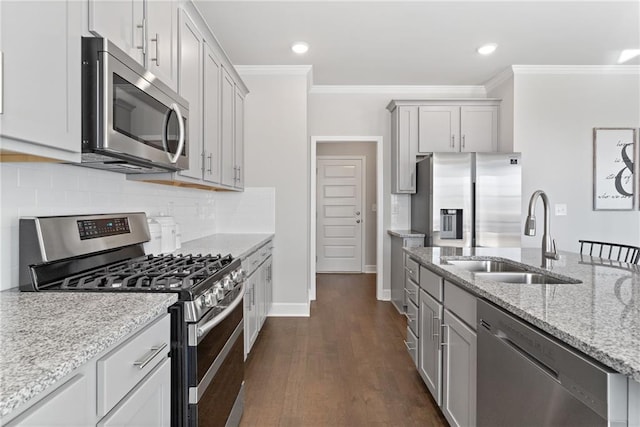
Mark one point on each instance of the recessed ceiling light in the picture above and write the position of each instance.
(627, 55)
(300, 47)
(487, 49)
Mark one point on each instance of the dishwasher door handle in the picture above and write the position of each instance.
(531, 358)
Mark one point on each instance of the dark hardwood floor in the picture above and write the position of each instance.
(346, 365)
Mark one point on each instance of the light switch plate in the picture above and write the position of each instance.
(561, 210)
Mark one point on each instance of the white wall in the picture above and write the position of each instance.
(554, 117)
(28, 189)
(368, 150)
(504, 91)
(277, 156)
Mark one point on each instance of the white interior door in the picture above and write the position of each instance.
(339, 215)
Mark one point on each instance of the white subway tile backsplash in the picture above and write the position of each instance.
(30, 177)
(42, 189)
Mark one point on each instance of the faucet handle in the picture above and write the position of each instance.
(554, 252)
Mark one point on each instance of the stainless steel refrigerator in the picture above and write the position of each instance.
(468, 199)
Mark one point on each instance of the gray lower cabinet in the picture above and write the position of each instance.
(149, 403)
(127, 385)
(399, 262)
(458, 372)
(430, 353)
(258, 294)
(71, 394)
(447, 354)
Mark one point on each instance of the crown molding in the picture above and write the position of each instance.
(498, 79)
(428, 91)
(576, 69)
(273, 69)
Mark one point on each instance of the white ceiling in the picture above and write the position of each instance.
(422, 42)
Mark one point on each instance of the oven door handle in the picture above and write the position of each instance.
(204, 329)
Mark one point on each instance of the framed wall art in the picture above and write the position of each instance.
(614, 168)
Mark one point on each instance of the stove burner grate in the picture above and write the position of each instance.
(168, 272)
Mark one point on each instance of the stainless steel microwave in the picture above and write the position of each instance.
(131, 121)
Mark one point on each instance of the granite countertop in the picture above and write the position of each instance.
(238, 245)
(600, 316)
(46, 335)
(404, 233)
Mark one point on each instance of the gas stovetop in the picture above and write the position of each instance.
(165, 273)
(105, 253)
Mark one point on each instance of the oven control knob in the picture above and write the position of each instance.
(219, 293)
(237, 275)
(209, 299)
(227, 282)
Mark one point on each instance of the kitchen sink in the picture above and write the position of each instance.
(486, 266)
(524, 278)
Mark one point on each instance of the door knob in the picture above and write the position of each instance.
(358, 213)
(358, 221)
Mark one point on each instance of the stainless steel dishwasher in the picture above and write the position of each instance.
(527, 378)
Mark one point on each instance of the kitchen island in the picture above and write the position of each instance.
(600, 316)
(587, 303)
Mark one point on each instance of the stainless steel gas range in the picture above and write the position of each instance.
(104, 253)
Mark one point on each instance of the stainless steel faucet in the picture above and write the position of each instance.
(548, 244)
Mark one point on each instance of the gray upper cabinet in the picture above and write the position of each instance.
(40, 45)
(122, 22)
(238, 138)
(420, 127)
(161, 40)
(454, 128)
(215, 93)
(404, 143)
(212, 126)
(228, 163)
(190, 52)
(144, 29)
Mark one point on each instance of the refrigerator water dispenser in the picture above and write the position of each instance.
(451, 223)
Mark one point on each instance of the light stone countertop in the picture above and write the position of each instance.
(46, 335)
(404, 233)
(600, 316)
(238, 245)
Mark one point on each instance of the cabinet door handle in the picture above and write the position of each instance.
(210, 158)
(143, 27)
(453, 141)
(153, 352)
(443, 343)
(434, 328)
(463, 142)
(157, 42)
(408, 346)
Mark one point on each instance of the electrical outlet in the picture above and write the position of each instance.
(561, 210)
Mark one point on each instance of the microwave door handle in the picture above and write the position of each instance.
(173, 158)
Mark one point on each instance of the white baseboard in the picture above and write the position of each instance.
(289, 310)
(369, 268)
(386, 295)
